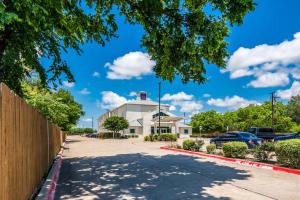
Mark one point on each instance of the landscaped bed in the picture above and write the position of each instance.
(161, 137)
(283, 153)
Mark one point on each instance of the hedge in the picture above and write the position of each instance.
(235, 149)
(161, 137)
(288, 153)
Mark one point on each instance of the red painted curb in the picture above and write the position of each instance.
(52, 189)
(241, 162)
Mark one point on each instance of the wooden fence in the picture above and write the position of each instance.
(28, 146)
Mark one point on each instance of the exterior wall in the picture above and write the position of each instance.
(181, 130)
(138, 111)
(138, 130)
(147, 124)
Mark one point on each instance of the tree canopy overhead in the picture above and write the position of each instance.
(179, 35)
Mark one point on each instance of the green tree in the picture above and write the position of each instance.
(179, 35)
(211, 121)
(293, 108)
(244, 118)
(115, 124)
(58, 106)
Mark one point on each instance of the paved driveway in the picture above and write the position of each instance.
(133, 169)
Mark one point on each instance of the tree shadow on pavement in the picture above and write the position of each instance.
(142, 176)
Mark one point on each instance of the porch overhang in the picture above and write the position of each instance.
(167, 119)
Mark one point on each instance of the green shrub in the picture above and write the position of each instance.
(147, 138)
(109, 135)
(156, 137)
(192, 145)
(168, 137)
(188, 144)
(288, 153)
(235, 149)
(211, 148)
(264, 151)
(176, 146)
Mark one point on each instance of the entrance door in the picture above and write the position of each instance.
(164, 130)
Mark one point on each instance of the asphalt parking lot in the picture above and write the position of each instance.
(133, 169)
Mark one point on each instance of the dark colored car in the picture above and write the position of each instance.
(264, 133)
(250, 139)
(287, 137)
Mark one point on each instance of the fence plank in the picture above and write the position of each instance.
(25, 149)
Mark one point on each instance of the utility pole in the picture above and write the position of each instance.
(93, 123)
(273, 101)
(159, 85)
(183, 117)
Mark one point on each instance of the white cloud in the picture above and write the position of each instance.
(234, 102)
(288, 93)
(84, 91)
(191, 106)
(68, 84)
(177, 97)
(172, 108)
(274, 60)
(206, 95)
(131, 65)
(96, 74)
(186, 102)
(87, 120)
(111, 100)
(133, 94)
(270, 80)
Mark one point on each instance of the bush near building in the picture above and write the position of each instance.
(192, 145)
(161, 137)
(235, 149)
(288, 153)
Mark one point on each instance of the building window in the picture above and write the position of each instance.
(132, 130)
(186, 131)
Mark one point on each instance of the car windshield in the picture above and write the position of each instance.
(266, 130)
(249, 135)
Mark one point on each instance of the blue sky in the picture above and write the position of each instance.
(253, 72)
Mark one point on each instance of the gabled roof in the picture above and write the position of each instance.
(145, 102)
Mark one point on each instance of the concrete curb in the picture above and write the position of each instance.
(238, 161)
(48, 189)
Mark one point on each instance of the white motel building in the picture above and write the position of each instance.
(142, 115)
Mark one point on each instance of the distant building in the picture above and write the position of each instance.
(143, 118)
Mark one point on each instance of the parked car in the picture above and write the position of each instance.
(287, 137)
(91, 135)
(250, 139)
(264, 133)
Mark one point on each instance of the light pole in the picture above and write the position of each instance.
(200, 128)
(159, 85)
